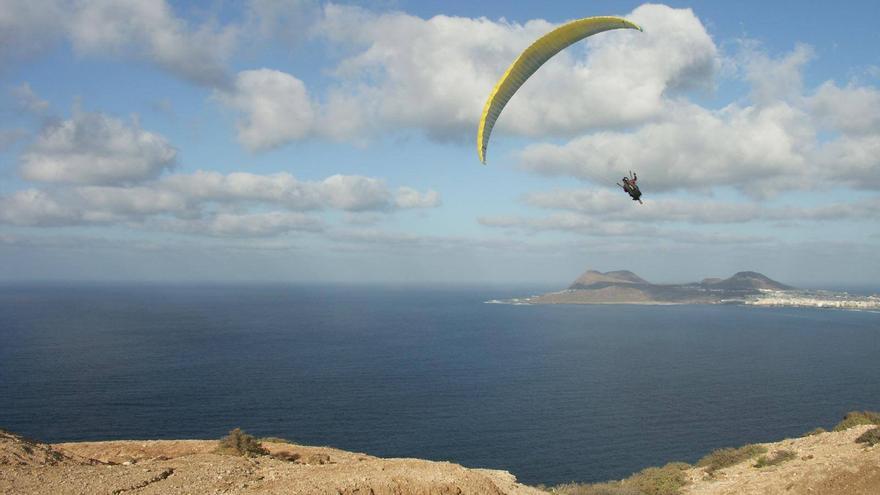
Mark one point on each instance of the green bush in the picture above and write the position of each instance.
(815, 431)
(722, 458)
(238, 442)
(870, 437)
(778, 457)
(856, 418)
(666, 480)
(608, 488)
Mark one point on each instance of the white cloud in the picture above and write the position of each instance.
(408, 197)
(275, 108)
(144, 29)
(151, 30)
(355, 193)
(343, 192)
(775, 80)
(27, 100)
(783, 138)
(87, 205)
(436, 73)
(756, 149)
(93, 148)
(853, 161)
(210, 203)
(281, 188)
(119, 203)
(35, 208)
(851, 109)
(406, 72)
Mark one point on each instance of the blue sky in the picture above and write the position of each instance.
(290, 140)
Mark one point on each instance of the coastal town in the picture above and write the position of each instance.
(817, 299)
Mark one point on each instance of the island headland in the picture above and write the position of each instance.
(746, 287)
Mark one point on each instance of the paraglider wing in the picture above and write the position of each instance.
(533, 58)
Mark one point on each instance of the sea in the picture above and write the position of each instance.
(550, 393)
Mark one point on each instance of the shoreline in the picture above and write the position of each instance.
(763, 298)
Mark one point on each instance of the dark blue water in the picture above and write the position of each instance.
(551, 393)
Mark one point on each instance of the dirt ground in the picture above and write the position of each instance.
(824, 464)
(829, 463)
(192, 467)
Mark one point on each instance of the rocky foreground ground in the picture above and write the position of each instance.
(193, 467)
(829, 463)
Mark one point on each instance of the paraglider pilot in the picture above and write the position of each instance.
(629, 185)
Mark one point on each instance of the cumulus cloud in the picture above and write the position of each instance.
(408, 197)
(88, 205)
(774, 79)
(435, 73)
(754, 148)
(853, 161)
(93, 148)
(27, 100)
(275, 108)
(783, 137)
(355, 193)
(151, 30)
(343, 192)
(147, 30)
(33, 207)
(107, 203)
(851, 109)
(406, 72)
(210, 203)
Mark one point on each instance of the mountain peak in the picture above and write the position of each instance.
(592, 277)
(747, 280)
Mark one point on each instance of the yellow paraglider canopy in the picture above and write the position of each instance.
(531, 60)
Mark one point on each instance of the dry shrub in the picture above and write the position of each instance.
(608, 488)
(815, 431)
(286, 455)
(722, 458)
(856, 418)
(778, 457)
(237, 442)
(666, 480)
(870, 437)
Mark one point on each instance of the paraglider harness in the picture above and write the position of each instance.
(629, 185)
